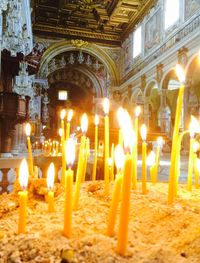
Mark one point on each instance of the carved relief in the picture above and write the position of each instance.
(183, 56)
(191, 7)
(159, 72)
(79, 43)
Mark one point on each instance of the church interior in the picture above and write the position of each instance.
(99, 131)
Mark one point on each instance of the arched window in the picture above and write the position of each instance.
(172, 12)
(137, 42)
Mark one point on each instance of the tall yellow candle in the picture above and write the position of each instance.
(172, 175)
(62, 116)
(69, 118)
(135, 148)
(23, 196)
(196, 173)
(120, 114)
(122, 240)
(84, 127)
(144, 157)
(157, 158)
(68, 204)
(86, 156)
(96, 121)
(111, 165)
(191, 159)
(30, 156)
(151, 163)
(119, 161)
(50, 184)
(106, 146)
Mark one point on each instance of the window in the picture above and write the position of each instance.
(137, 42)
(62, 95)
(172, 12)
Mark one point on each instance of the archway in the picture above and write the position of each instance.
(151, 105)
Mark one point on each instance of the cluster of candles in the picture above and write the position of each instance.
(50, 147)
(125, 156)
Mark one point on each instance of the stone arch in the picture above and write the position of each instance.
(149, 86)
(90, 48)
(135, 94)
(125, 101)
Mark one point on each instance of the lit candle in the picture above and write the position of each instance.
(120, 114)
(198, 170)
(23, 196)
(157, 158)
(69, 118)
(106, 105)
(86, 155)
(84, 127)
(151, 163)
(196, 173)
(50, 184)
(172, 175)
(62, 116)
(111, 162)
(192, 129)
(125, 201)
(30, 156)
(96, 121)
(68, 204)
(144, 156)
(119, 162)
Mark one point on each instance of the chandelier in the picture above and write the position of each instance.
(23, 82)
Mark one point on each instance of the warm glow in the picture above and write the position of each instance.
(28, 129)
(126, 121)
(70, 115)
(110, 162)
(84, 123)
(143, 132)
(137, 111)
(160, 141)
(23, 174)
(106, 105)
(198, 164)
(60, 132)
(96, 120)
(62, 114)
(50, 176)
(120, 114)
(70, 152)
(119, 157)
(194, 126)
(129, 139)
(196, 146)
(180, 73)
(151, 159)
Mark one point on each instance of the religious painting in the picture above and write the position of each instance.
(191, 7)
(127, 57)
(152, 31)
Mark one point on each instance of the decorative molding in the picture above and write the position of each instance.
(79, 43)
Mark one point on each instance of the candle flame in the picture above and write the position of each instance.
(160, 141)
(129, 138)
(180, 73)
(198, 164)
(151, 159)
(126, 123)
(23, 174)
(120, 115)
(28, 129)
(62, 114)
(137, 111)
(60, 132)
(106, 105)
(70, 115)
(143, 132)
(96, 120)
(196, 146)
(194, 126)
(119, 157)
(110, 162)
(70, 152)
(84, 123)
(50, 176)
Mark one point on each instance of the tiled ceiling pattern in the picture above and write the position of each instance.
(98, 20)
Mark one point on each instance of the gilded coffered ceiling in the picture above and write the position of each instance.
(105, 21)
